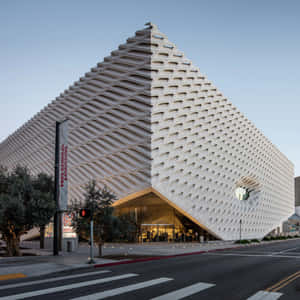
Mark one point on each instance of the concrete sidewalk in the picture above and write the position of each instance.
(45, 262)
(163, 248)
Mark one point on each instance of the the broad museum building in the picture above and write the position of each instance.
(178, 155)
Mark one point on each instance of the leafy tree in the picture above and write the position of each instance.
(3, 180)
(133, 220)
(130, 227)
(25, 202)
(107, 227)
(43, 195)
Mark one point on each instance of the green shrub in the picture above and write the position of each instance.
(242, 242)
(254, 241)
(280, 238)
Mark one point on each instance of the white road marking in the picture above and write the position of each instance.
(255, 255)
(185, 292)
(66, 287)
(9, 286)
(287, 250)
(124, 289)
(253, 252)
(264, 295)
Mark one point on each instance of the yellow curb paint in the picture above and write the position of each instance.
(12, 276)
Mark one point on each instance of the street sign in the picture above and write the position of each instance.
(63, 166)
(61, 181)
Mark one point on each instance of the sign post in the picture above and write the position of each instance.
(61, 181)
(91, 261)
(88, 214)
(240, 230)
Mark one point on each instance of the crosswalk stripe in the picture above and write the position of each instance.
(184, 292)
(124, 289)
(264, 295)
(9, 286)
(66, 287)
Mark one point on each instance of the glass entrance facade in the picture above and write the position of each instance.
(158, 221)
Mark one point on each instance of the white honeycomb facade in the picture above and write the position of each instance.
(147, 118)
(109, 114)
(203, 148)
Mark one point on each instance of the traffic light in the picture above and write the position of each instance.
(85, 213)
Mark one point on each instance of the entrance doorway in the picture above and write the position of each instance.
(158, 221)
(157, 232)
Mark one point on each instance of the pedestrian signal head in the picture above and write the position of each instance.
(85, 213)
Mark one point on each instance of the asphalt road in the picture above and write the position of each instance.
(258, 272)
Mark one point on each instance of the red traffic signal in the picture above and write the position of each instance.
(85, 213)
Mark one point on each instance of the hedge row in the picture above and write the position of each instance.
(267, 238)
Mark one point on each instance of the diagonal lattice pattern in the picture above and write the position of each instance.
(203, 148)
(146, 117)
(109, 113)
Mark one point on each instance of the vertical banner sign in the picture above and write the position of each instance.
(63, 166)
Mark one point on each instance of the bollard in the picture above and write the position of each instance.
(69, 246)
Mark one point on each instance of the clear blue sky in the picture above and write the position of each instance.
(249, 49)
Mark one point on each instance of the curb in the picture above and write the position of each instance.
(161, 257)
(179, 255)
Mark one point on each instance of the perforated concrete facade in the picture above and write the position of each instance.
(147, 118)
